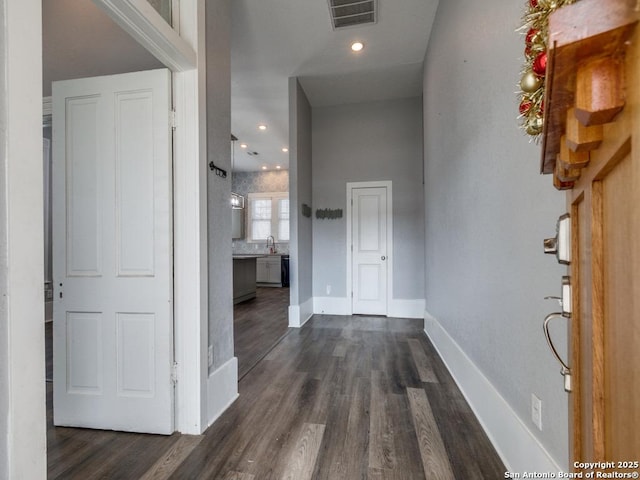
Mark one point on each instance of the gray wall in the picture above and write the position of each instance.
(218, 21)
(301, 245)
(366, 142)
(5, 350)
(245, 183)
(487, 210)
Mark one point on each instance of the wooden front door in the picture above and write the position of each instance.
(591, 145)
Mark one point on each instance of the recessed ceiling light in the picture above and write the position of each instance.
(285, 149)
(264, 167)
(278, 167)
(357, 46)
(243, 145)
(262, 127)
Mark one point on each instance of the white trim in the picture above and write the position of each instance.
(398, 308)
(331, 305)
(300, 314)
(390, 254)
(149, 29)
(407, 308)
(222, 389)
(517, 446)
(190, 281)
(23, 427)
(190, 232)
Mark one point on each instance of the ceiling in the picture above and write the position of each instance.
(272, 40)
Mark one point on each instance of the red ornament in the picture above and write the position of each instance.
(530, 34)
(525, 106)
(533, 3)
(539, 66)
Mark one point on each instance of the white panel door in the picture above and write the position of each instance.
(112, 253)
(369, 257)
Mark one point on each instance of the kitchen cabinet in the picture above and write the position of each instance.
(244, 278)
(269, 271)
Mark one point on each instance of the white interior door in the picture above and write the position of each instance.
(113, 255)
(369, 257)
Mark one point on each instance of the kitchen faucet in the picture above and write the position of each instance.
(273, 244)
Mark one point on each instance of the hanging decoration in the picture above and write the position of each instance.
(535, 23)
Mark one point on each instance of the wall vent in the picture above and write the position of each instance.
(350, 13)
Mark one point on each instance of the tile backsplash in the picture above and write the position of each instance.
(244, 183)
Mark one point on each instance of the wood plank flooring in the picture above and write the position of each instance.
(341, 398)
(258, 324)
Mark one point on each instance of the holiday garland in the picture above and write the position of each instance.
(532, 83)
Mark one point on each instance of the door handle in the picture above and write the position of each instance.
(565, 371)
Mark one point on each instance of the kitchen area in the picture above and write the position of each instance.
(251, 271)
(260, 236)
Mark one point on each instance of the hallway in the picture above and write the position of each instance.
(339, 398)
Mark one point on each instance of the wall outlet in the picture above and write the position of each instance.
(328, 289)
(536, 411)
(210, 355)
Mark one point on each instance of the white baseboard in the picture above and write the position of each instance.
(330, 305)
(401, 308)
(517, 446)
(398, 308)
(222, 389)
(300, 314)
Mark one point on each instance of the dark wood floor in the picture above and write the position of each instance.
(259, 324)
(341, 398)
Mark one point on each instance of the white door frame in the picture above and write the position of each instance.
(23, 437)
(22, 397)
(350, 187)
(178, 53)
(190, 201)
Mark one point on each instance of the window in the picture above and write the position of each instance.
(268, 215)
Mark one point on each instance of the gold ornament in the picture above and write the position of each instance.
(547, 4)
(533, 129)
(534, 125)
(530, 82)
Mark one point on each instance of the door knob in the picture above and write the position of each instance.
(383, 257)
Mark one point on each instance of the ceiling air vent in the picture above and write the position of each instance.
(350, 13)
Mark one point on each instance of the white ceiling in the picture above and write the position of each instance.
(273, 40)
